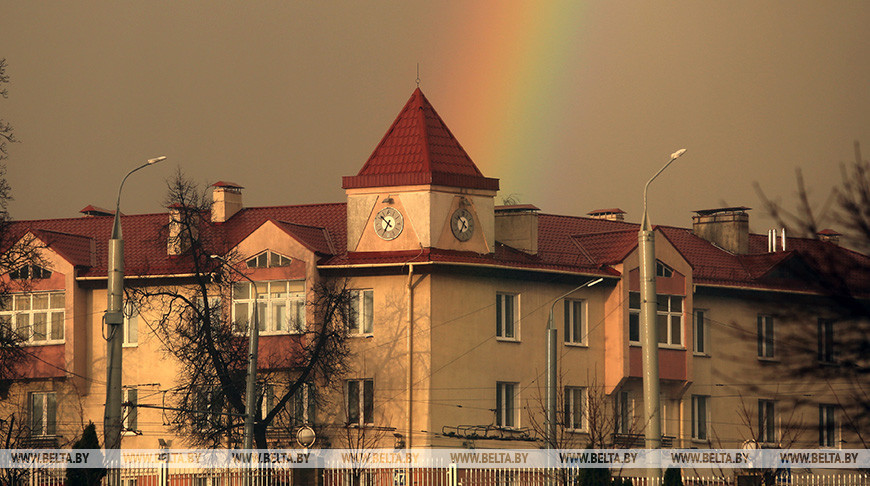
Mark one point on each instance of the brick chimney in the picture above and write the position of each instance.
(517, 227)
(727, 228)
(226, 200)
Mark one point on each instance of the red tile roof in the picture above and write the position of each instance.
(419, 149)
(76, 249)
(565, 244)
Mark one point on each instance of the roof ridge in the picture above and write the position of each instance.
(599, 233)
(64, 233)
(424, 132)
(298, 224)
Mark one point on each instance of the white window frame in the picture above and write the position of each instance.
(670, 312)
(507, 401)
(21, 317)
(700, 417)
(766, 328)
(30, 272)
(361, 315)
(507, 316)
(43, 421)
(575, 409)
(827, 341)
(130, 413)
(269, 313)
(663, 270)
(360, 401)
(130, 328)
(768, 426)
(268, 259)
(700, 331)
(829, 427)
(575, 321)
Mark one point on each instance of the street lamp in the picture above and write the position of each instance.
(648, 334)
(253, 343)
(115, 319)
(552, 358)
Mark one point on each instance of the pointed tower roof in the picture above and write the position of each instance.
(419, 149)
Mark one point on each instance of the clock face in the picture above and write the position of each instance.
(462, 224)
(389, 223)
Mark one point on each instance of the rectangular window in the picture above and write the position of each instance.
(826, 341)
(303, 405)
(43, 414)
(669, 319)
(827, 425)
(360, 402)
(37, 318)
(624, 413)
(130, 411)
(575, 317)
(700, 409)
(131, 324)
(699, 330)
(765, 337)
(506, 401)
(361, 315)
(506, 315)
(634, 317)
(575, 401)
(767, 421)
(280, 306)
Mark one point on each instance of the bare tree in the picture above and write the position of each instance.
(837, 333)
(191, 318)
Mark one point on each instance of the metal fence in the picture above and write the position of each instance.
(446, 476)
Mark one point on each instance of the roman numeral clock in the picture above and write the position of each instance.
(389, 223)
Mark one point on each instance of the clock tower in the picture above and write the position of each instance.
(419, 189)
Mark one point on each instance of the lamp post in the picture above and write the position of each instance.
(115, 319)
(648, 334)
(552, 335)
(253, 344)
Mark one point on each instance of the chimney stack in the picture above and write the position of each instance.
(727, 228)
(226, 200)
(612, 214)
(830, 236)
(517, 227)
(178, 240)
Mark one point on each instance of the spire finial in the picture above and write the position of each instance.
(418, 75)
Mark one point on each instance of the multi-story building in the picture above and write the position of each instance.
(451, 299)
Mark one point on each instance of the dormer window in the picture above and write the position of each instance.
(663, 270)
(27, 272)
(268, 259)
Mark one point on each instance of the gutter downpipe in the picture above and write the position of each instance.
(410, 441)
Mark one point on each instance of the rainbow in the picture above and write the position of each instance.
(508, 96)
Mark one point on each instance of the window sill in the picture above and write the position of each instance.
(701, 355)
(577, 345)
(507, 340)
(130, 345)
(42, 343)
(678, 347)
(576, 431)
(358, 335)
(764, 359)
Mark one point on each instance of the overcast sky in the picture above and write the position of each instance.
(573, 105)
